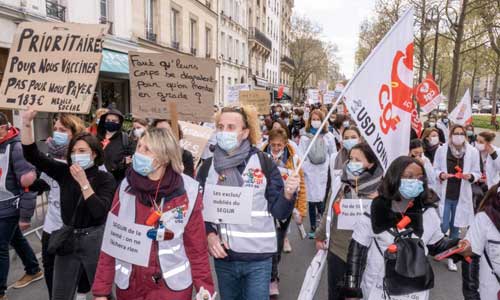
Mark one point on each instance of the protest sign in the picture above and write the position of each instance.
(313, 96)
(329, 96)
(195, 138)
(227, 204)
(258, 98)
(159, 78)
(126, 241)
(428, 94)
(378, 293)
(233, 93)
(53, 67)
(462, 113)
(350, 212)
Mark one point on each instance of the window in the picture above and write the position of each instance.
(223, 44)
(193, 35)
(149, 17)
(230, 47)
(208, 42)
(104, 9)
(237, 50)
(174, 27)
(243, 54)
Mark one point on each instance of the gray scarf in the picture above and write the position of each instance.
(226, 164)
(366, 183)
(458, 152)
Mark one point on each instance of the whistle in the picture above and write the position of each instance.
(403, 223)
(153, 218)
(393, 248)
(336, 208)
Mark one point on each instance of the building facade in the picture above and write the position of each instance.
(286, 62)
(273, 20)
(259, 44)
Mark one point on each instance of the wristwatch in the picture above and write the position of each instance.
(85, 187)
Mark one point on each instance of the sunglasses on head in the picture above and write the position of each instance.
(237, 109)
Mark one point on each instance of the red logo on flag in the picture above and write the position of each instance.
(427, 91)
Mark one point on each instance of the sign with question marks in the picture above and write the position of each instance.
(157, 79)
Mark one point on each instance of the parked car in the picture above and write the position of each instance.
(475, 108)
(486, 109)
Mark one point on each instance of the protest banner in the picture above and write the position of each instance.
(259, 98)
(195, 139)
(416, 123)
(313, 96)
(159, 78)
(350, 212)
(127, 241)
(227, 204)
(428, 94)
(53, 67)
(462, 113)
(233, 93)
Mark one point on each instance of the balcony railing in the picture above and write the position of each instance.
(104, 20)
(175, 45)
(56, 11)
(288, 60)
(260, 37)
(193, 51)
(151, 36)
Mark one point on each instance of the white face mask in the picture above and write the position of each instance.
(480, 147)
(434, 140)
(457, 140)
(138, 132)
(315, 124)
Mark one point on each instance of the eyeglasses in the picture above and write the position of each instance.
(236, 109)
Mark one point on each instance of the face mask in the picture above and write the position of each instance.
(346, 124)
(457, 140)
(315, 124)
(97, 121)
(349, 143)
(470, 133)
(60, 138)
(432, 124)
(356, 168)
(138, 132)
(112, 126)
(83, 160)
(277, 155)
(480, 147)
(411, 188)
(434, 141)
(296, 118)
(445, 120)
(142, 164)
(227, 140)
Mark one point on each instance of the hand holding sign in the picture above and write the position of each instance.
(28, 115)
(291, 185)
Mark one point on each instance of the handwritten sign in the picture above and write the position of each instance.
(258, 98)
(159, 78)
(350, 211)
(329, 97)
(233, 93)
(227, 204)
(313, 96)
(126, 241)
(53, 67)
(195, 138)
(377, 293)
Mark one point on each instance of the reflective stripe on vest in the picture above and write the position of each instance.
(174, 262)
(260, 236)
(5, 194)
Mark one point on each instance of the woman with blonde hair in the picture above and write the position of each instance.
(156, 194)
(243, 252)
(316, 164)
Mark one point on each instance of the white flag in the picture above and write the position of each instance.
(462, 113)
(379, 97)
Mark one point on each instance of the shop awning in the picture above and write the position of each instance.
(114, 62)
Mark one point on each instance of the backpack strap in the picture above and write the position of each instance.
(491, 266)
(266, 163)
(203, 171)
(125, 144)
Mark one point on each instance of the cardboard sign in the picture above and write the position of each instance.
(195, 139)
(227, 204)
(259, 98)
(233, 93)
(53, 67)
(159, 78)
(126, 241)
(350, 212)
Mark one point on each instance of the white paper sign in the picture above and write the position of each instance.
(377, 293)
(227, 204)
(350, 211)
(313, 96)
(126, 241)
(329, 96)
(233, 93)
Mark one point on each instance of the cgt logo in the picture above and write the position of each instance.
(400, 92)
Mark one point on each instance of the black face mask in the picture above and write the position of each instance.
(112, 126)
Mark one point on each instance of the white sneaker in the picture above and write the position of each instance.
(273, 289)
(81, 297)
(287, 248)
(452, 266)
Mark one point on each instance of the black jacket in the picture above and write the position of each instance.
(90, 212)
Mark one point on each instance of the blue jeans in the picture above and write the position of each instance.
(10, 234)
(450, 207)
(244, 280)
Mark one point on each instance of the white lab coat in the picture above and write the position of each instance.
(484, 236)
(465, 209)
(445, 129)
(335, 185)
(492, 168)
(375, 268)
(316, 176)
(431, 176)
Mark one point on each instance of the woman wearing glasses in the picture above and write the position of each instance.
(156, 194)
(457, 167)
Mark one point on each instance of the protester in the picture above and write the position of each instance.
(431, 123)
(139, 126)
(297, 124)
(116, 144)
(481, 278)
(287, 160)
(404, 201)
(16, 207)
(243, 253)
(489, 157)
(92, 129)
(444, 125)
(187, 157)
(177, 262)
(85, 195)
(280, 124)
(285, 116)
(430, 138)
(66, 126)
(315, 164)
(360, 178)
(337, 127)
(471, 136)
(457, 166)
(417, 152)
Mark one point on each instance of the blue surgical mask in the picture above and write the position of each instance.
(84, 160)
(227, 140)
(411, 188)
(355, 167)
(142, 164)
(346, 124)
(349, 143)
(470, 133)
(60, 138)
